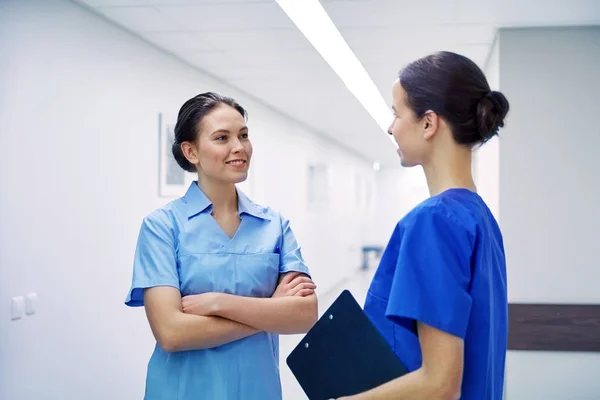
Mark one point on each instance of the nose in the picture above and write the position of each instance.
(237, 146)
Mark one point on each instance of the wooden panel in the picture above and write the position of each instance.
(554, 327)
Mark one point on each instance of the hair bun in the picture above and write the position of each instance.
(491, 111)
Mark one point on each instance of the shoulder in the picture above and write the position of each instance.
(169, 216)
(444, 212)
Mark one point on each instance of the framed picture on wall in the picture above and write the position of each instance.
(173, 181)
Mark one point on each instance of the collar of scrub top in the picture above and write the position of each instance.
(197, 202)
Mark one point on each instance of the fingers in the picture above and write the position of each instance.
(185, 304)
(304, 293)
(300, 279)
(302, 286)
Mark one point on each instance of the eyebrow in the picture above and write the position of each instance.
(245, 128)
(220, 131)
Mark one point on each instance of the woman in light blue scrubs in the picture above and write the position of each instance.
(439, 295)
(219, 275)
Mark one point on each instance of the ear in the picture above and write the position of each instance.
(190, 152)
(430, 123)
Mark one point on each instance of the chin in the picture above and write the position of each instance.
(403, 160)
(405, 163)
(240, 178)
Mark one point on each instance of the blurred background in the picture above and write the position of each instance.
(89, 94)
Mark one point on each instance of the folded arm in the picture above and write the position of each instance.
(196, 329)
(292, 309)
(176, 331)
(283, 315)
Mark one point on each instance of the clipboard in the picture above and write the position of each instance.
(343, 354)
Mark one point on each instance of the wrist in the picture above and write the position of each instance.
(218, 304)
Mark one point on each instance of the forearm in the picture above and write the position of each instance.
(284, 315)
(416, 385)
(193, 332)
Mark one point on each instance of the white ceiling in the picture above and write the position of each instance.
(254, 46)
(387, 34)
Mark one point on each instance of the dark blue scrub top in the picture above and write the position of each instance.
(445, 266)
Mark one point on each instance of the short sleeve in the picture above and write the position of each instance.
(155, 261)
(291, 259)
(432, 276)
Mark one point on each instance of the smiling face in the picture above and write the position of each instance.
(222, 151)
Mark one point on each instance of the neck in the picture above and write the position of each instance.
(452, 171)
(223, 196)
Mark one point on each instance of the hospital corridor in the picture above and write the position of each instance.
(187, 186)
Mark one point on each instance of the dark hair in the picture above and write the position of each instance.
(455, 88)
(189, 118)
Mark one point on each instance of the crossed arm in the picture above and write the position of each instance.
(213, 319)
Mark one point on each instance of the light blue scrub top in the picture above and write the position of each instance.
(181, 245)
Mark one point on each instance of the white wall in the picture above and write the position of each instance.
(486, 167)
(79, 100)
(550, 192)
(398, 191)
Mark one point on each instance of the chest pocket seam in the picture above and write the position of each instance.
(204, 253)
(243, 274)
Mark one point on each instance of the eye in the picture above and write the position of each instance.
(244, 135)
(221, 138)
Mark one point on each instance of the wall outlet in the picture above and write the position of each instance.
(17, 307)
(31, 303)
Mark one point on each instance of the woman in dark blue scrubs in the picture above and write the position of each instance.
(439, 295)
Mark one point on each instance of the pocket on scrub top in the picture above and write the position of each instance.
(253, 274)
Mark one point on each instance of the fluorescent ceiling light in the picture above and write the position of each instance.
(314, 23)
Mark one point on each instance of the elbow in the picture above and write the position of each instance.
(452, 395)
(311, 314)
(168, 346)
(441, 386)
(302, 317)
(449, 391)
(307, 324)
(168, 341)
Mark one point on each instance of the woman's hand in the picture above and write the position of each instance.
(205, 304)
(294, 284)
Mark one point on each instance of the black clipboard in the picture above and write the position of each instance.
(343, 354)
